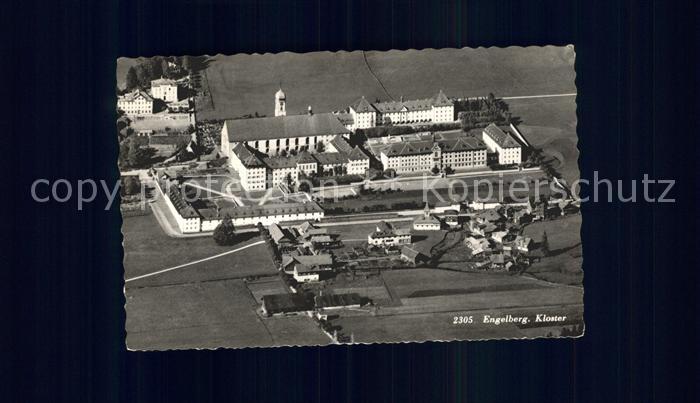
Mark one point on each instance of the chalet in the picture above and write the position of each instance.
(279, 235)
(498, 261)
(523, 244)
(498, 236)
(521, 217)
(488, 216)
(413, 255)
(306, 273)
(535, 209)
(477, 245)
(386, 235)
(451, 218)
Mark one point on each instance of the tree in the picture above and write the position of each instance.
(435, 170)
(132, 80)
(138, 155)
(449, 170)
(545, 244)
(390, 173)
(186, 63)
(131, 185)
(225, 233)
(320, 147)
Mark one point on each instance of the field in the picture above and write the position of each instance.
(429, 299)
(550, 124)
(564, 265)
(147, 249)
(245, 84)
(209, 315)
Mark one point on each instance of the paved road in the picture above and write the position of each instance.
(155, 273)
(572, 94)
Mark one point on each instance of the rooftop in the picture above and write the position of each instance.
(337, 300)
(287, 303)
(276, 127)
(500, 137)
(248, 158)
(163, 81)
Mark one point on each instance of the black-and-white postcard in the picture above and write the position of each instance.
(351, 197)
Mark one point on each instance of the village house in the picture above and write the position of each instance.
(166, 89)
(477, 245)
(280, 236)
(386, 235)
(137, 102)
(411, 254)
(451, 218)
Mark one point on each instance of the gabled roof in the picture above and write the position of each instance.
(247, 157)
(341, 145)
(163, 81)
(430, 219)
(277, 127)
(362, 105)
(305, 157)
(500, 137)
(337, 300)
(331, 158)
(413, 105)
(277, 233)
(130, 97)
(441, 100)
(323, 259)
(409, 252)
(462, 144)
(357, 154)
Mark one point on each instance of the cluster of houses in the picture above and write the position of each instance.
(304, 251)
(305, 257)
(493, 234)
(141, 102)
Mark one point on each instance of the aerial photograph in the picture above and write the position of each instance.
(323, 198)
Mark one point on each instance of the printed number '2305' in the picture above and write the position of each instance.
(460, 320)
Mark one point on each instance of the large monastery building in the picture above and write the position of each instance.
(266, 152)
(509, 150)
(438, 109)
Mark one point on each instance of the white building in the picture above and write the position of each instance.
(438, 109)
(508, 149)
(423, 155)
(251, 169)
(280, 103)
(136, 103)
(166, 89)
(427, 222)
(272, 135)
(386, 235)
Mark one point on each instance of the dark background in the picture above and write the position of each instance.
(63, 333)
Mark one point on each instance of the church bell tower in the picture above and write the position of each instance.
(280, 103)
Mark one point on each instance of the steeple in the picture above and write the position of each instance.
(280, 102)
(426, 210)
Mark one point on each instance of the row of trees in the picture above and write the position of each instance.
(133, 154)
(140, 75)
